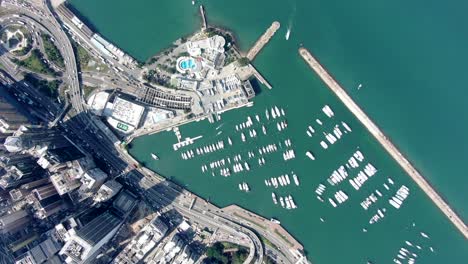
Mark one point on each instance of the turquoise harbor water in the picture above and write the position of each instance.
(409, 57)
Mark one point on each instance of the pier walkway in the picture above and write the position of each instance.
(263, 40)
(384, 141)
(203, 16)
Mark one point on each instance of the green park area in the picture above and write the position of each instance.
(35, 63)
(52, 51)
(226, 253)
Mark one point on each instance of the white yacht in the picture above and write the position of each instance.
(310, 155)
(273, 196)
(243, 137)
(282, 201)
(318, 121)
(296, 179)
(323, 144)
(277, 111)
(154, 156)
(273, 113)
(346, 126)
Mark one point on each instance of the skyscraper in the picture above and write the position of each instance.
(27, 138)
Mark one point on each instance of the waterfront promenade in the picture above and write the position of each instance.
(384, 141)
(263, 40)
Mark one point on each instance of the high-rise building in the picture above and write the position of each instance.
(108, 190)
(93, 179)
(38, 138)
(18, 168)
(90, 238)
(41, 253)
(13, 222)
(10, 116)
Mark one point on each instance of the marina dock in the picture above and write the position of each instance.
(263, 40)
(384, 141)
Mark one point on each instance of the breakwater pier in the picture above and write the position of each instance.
(203, 16)
(263, 40)
(383, 140)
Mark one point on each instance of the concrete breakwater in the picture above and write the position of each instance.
(384, 141)
(263, 40)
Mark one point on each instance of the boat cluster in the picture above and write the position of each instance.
(335, 135)
(282, 180)
(373, 197)
(188, 154)
(338, 176)
(285, 202)
(353, 161)
(275, 112)
(340, 196)
(270, 148)
(407, 254)
(400, 196)
(362, 177)
(246, 124)
(282, 125)
(319, 191)
(328, 111)
(244, 187)
(378, 216)
(289, 154)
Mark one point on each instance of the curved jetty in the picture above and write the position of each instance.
(263, 40)
(383, 140)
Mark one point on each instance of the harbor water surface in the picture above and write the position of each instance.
(409, 58)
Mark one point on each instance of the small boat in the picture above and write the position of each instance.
(346, 126)
(296, 179)
(287, 34)
(310, 155)
(424, 235)
(275, 221)
(154, 156)
(273, 196)
(323, 144)
(319, 122)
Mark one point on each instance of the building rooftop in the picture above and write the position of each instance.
(98, 228)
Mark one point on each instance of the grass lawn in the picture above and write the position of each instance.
(34, 63)
(52, 51)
